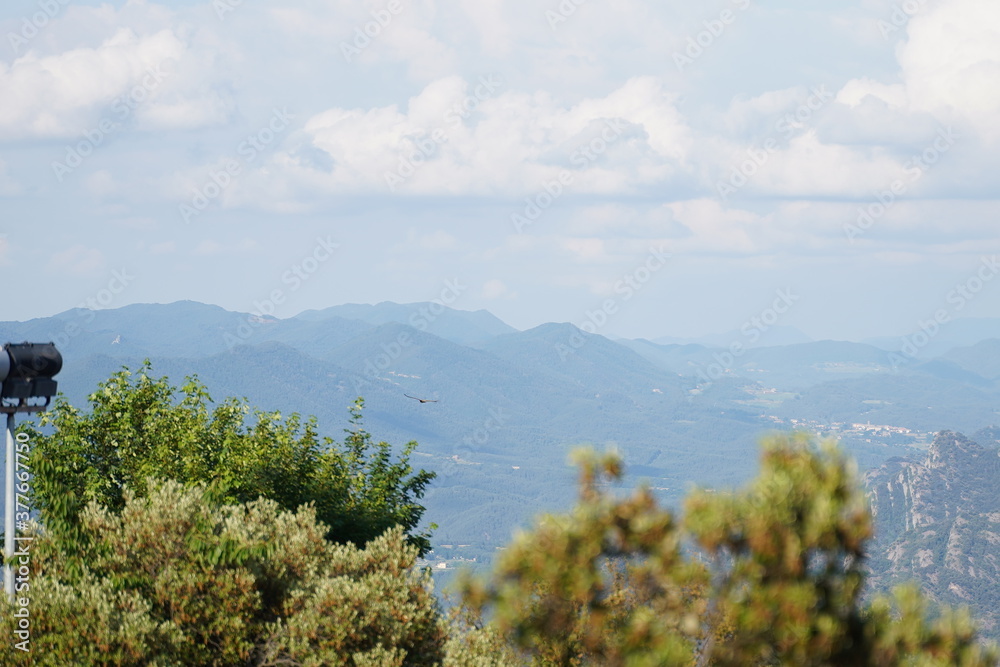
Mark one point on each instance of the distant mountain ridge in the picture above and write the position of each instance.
(771, 337)
(956, 333)
(511, 406)
(513, 403)
(459, 326)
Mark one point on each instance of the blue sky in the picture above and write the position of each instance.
(657, 168)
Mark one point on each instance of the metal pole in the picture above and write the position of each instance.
(8, 536)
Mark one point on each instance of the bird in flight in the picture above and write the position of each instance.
(422, 400)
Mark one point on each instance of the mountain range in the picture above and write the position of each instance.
(512, 404)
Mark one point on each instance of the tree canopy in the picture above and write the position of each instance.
(176, 533)
(770, 575)
(174, 578)
(140, 428)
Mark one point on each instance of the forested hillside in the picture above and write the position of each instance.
(512, 404)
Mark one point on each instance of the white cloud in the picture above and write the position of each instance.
(516, 140)
(368, 34)
(586, 250)
(493, 140)
(856, 91)
(868, 137)
(496, 289)
(950, 75)
(426, 56)
(951, 63)
(63, 95)
(659, 140)
(139, 66)
(810, 168)
(717, 229)
(77, 260)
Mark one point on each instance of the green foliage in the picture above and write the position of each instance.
(179, 534)
(789, 553)
(472, 643)
(139, 428)
(560, 591)
(769, 575)
(176, 579)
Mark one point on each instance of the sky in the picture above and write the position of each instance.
(650, 168)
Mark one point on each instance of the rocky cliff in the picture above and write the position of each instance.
(938, 521)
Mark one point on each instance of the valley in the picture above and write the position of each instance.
(513, 404)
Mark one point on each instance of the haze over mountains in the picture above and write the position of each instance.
(512, 403)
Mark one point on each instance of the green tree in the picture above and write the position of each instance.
(140, 428)
(765, 576)
(174, 578)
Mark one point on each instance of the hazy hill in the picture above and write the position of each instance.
(512, 404)
(917, 401)
(794, 367)
(313, 338)
(776, 335)
(684, 359)
(938, 520)
(962, 332)
(191, 329)
(609, 394)
(468, 383)
(508, 412)
(820, 352)
(593, 362)
(786, 367)
(183, 328)
(983, 358)
(459, 326)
